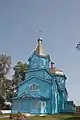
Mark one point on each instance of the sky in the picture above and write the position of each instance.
(59, 21)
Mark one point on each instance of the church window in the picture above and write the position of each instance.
(33, 86)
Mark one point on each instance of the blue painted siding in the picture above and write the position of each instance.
(28, 75)
(56, 102)
(31, 64)
(69, 107)
(43, 63)
(39, 73)
(22, 89)
(16, 106)
(42, 84)
(47, 75)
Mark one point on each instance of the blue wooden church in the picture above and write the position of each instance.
(44, 89)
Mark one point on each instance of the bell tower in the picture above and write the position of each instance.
(44, 58)
(39, 59)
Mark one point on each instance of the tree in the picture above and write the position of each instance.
(1, 102)
(5, 63)
(19, 72)
(9, 90)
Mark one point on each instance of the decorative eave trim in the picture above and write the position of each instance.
(39, 69)
(36, 78)
(34, 53)
(31, 96)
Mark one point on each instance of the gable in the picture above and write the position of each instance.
(33, 55)
(25, 86)
(33, 61)
(36, 61)
(47, 75)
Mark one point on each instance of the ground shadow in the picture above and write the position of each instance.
(73, 118)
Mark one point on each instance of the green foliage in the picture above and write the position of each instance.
(8, 89)
(19, 75)
(19, 72)
(54, 117)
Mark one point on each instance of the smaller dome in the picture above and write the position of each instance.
(56, 71)
(59, 72)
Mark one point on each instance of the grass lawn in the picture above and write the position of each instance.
(55, 117)
(51, 117)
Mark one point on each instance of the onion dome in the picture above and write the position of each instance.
(54, 70)
(39, 50)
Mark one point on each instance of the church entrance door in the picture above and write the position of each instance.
(43, 107)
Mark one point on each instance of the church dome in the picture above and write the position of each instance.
(54, 70)
(39, 50)
(59, 71)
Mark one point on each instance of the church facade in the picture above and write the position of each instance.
(44, 89)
